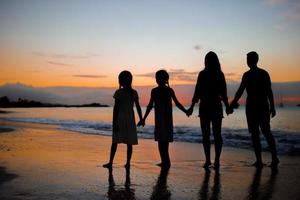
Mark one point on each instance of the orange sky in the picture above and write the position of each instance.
(48, 43)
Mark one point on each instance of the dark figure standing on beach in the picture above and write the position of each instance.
(259, 107)
(161, 98)
(211, 90)
(124, 126)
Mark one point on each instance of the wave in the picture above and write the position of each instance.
(287, 142)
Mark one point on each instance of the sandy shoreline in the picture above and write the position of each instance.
(43, 162)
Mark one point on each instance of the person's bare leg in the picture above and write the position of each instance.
(257, 148)
(271, 142)
(160, 149)
(205, 127)
(113, 150)
(217, 124)
(129, 154)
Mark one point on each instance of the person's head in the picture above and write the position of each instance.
(162, 78)
(125, 79)
(252, 59)
(211, 62)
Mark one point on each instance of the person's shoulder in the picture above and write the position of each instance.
(248, 72)
(154, 90)
(135, 94)
(263, 71)
(202, 72)
(117, 93)
(170, 90)
(134, 91)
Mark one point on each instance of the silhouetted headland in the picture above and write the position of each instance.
(5, 102)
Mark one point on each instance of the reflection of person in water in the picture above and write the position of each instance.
(259, 107)
(126, 193)
(160, 190)
(264, 191)
(204, 191)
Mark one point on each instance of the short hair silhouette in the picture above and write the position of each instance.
(211, 62)
(162, 77)
(125, 79)
(252, 57)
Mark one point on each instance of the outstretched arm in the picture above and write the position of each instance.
(148, 110)
(138, 108)
(229, 110)
(177, 103)
(239, 92)
(195, 97)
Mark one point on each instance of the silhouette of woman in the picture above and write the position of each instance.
(211, 90)
(161, 98)
(124, 127)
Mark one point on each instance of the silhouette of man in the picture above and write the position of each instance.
(259, 107)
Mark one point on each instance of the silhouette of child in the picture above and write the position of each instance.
(161, 98)
(211, 90)
(124, 126)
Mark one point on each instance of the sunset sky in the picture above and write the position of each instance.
(87, 43)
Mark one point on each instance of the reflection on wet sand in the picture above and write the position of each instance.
(5, 176)
(117, 193)
(160, 190)
(204, 192)
(264, 191)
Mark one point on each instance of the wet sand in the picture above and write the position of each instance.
(44, 162)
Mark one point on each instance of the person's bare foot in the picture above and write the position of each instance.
(258, 164)
(164, 165)
(217, 164)
(107, 165)
(274, 163)
(206, 164)
(127, 165)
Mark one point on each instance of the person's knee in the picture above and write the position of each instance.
(205, 137)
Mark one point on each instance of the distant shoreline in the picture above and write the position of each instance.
(5, 102)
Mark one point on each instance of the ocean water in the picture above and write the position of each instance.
(285, 126)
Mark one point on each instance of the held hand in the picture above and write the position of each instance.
(141, 122)
(189, 112)
(234, 105)
(229, 110)
(273, 112)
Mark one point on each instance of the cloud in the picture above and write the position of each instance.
(275, 2)
(197, 47)
(290, 8)
(150, 75)
(175, 74)
(182, 75)
(65, 56)
(89, 76)
(203, 48)
(58, 63)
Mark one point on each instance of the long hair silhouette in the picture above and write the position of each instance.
(211, 62)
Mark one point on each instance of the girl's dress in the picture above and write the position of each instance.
(125, 131)
(162, 99)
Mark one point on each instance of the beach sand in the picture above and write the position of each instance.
(44, 162)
